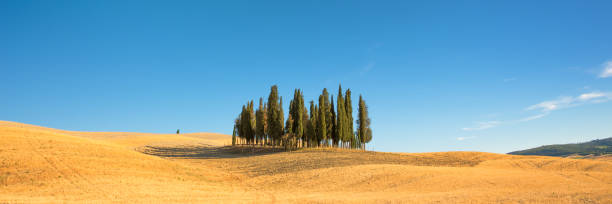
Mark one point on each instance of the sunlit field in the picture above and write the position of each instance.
(43, 165)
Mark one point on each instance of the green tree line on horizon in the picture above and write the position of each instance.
(321, 125)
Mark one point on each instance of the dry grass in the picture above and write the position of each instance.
(54, 166)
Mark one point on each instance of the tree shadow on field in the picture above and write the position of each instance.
(208, 152)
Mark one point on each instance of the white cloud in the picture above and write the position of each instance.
(367, 68)
(546, 107)
(589, 96)
(533, 117)
(465, 138)
(482, 125)
(607, 70)
(552, 105)
(566, 102)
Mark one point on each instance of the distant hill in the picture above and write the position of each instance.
(595, 147)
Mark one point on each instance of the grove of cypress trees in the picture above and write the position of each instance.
(324, 124)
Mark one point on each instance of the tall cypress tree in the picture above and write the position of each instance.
(340, 121)
(239, 127)
(253, 122)
(260, 128)
(275, 127)
(322, 136)
(364, 131)
(235, 131)
(317, 126)
(349, 118)
(289, 136)
(296, 111)
(312, 127)
(243, 124)
(328, 117)
(305, 123)
(265, 120)
(281, 120)
(247, 122)
(333, 131)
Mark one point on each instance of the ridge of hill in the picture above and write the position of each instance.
(594, 147)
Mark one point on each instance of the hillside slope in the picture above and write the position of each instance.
(595, 147)
(44, 165)
(47, 165)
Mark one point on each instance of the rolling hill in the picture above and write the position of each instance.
(44, 165)
(595, 147)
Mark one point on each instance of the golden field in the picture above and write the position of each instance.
(44, 165)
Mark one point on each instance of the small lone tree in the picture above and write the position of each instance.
(178, 131)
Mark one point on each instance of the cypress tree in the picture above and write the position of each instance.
(265, 123)
(310, 126)
(260, 122)
(313, 124)
(349, 118)
(340, 121)
(247, 122)
(288, 137)
(296, 111)
(252, 122)
(281, 119)
(275, 127)
(333, 131)
(317, 126)
(234, 132)
(368, 136)
(364, 131)
(305, 123)
(243, 129)
(322, 128)
(238, 126)
(328, 117)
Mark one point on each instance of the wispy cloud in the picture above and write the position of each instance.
(482, 125)
(567, 102)
(552, 105)
(367, 68)
(533, 117)
(465, 138)
(544, 108)
(607, 70)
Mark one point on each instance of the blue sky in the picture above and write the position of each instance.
(437, 75)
